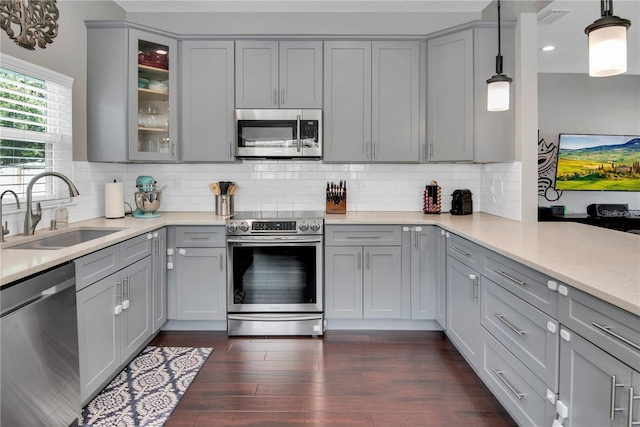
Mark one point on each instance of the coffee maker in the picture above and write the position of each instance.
(461, 204)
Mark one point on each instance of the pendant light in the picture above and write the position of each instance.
(499, 84)
(607, 43)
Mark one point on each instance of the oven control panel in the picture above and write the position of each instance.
(275, 227)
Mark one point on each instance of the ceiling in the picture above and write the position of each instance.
(566, 33)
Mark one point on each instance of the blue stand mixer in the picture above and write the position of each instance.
(147, 198)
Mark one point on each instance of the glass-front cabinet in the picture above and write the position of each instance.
(152, 97)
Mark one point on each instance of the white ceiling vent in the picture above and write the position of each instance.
(551, 15)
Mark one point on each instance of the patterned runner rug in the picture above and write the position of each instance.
(145, 393)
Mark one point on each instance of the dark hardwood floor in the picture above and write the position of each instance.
(342, 379)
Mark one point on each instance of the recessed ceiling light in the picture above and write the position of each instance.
(548, 48)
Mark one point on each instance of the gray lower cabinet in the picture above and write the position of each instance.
(463, 309)
(598, 389)
(425, 289)
(159, 282)
(199, 275)
(115, 291)
(207, 95)
(114, 322)
(371, 101)
(363, 277)
(599, 361)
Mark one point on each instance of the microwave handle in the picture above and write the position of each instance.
(298, 129)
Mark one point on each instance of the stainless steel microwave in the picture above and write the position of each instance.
(278, 133)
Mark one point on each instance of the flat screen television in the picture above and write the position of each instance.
(598, 163)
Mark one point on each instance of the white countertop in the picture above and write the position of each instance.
(604, 263)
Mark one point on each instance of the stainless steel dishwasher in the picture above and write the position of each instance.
(39, 354)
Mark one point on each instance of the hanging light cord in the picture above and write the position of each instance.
(499, 57)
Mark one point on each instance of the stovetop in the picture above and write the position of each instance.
(275, 222)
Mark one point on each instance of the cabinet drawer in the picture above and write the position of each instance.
(612, 329)
(528, 333)
(528, 284)
(464, 251)
(515, 386)
(349, 235)
(200, 237)
(133, 250)
(97, 265)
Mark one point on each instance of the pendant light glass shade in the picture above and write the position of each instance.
(498, 93)
(498, 86)
(607, 43)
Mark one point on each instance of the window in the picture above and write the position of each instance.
(35, 127)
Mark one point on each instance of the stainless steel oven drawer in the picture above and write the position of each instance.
(265, 324)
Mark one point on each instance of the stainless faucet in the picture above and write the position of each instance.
(4, 230)
(32, 219)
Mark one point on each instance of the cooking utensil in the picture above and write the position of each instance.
(215, 188)
(224, 187)
(233, 189)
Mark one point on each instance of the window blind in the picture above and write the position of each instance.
(35, 127)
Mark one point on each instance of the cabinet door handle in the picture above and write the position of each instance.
(500, 375)
(363, 236)
(230, 150)
(416, 235)
(607, 329)
(375, 151)
(221, 263)
(612, 406)
(299, 144)
(119, 292)
(509, 324)
(156, 241)
(368, 260)
(275, 96)
(359, 260)
(282, 99)
(430, 149)
(632, 397)
(473, 278)
(173, 149)
(366, 149)
(199, 238)
(511, 278)
(460, 251)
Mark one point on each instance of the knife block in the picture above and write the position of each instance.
(337, 208)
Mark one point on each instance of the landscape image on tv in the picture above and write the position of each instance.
(598, 163)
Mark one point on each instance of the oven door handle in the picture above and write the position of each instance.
(274, 241)
(275, 318)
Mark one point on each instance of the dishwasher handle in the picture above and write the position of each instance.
(20, 294)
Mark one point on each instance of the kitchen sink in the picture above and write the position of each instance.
(66, 239)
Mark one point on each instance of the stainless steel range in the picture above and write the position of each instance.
(275, 280)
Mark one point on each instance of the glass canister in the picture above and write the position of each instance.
(432, 199)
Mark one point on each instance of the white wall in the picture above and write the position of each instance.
(577, 103)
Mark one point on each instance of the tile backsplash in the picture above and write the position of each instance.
(292, 185)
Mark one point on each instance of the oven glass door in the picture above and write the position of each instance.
(275, 277)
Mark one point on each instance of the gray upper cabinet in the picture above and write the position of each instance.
(347, 101)
(207, 95)
(459, 127)
(395, 96)
(128, 120)
(372, 101)
(450, 97)
(273, 74)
